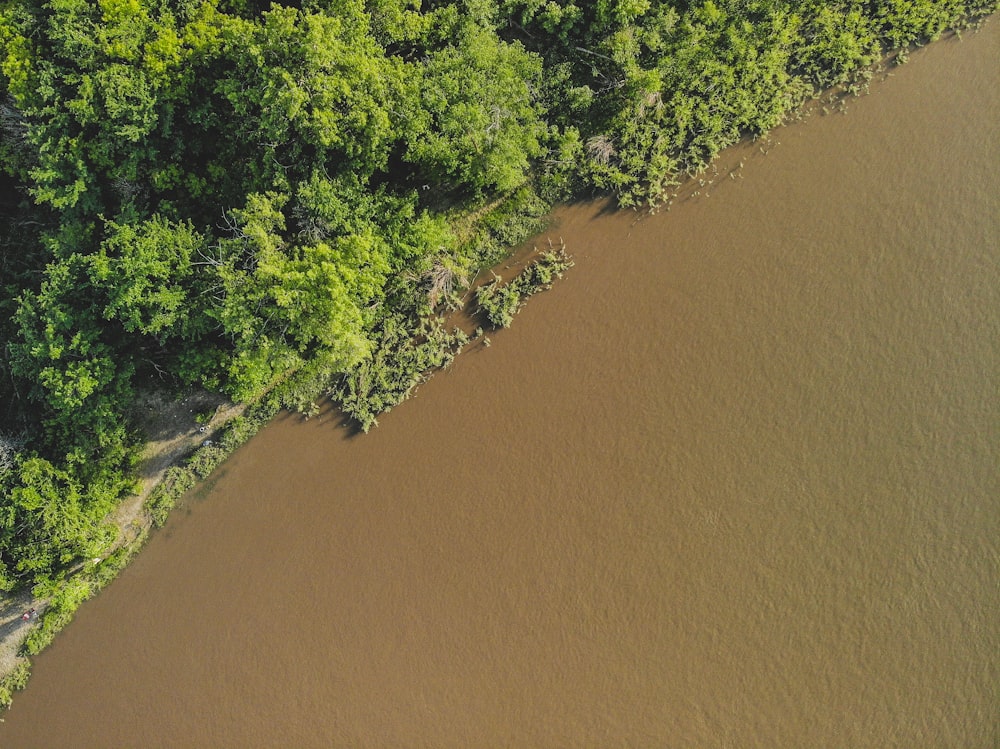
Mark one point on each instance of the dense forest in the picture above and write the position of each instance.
(235, 195)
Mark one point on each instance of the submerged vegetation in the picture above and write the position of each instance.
(279, 202)
(405, 352)
(499, 302)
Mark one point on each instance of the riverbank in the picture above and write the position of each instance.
(175, 428)
(253, 246)
(728, 484)
(134, 524)
(189, 437)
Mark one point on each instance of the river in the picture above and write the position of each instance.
(733, 482)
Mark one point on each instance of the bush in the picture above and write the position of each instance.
(62, 606)
(500, 302)
(14, 681)
(406, 351)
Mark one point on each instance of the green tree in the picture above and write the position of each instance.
(48, 520)
(310, 89)
(475, 118)
(146, 270)
(71, 369)
(283, 298)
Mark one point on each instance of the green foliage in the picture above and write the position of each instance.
(60, 610)
(306, 87)
(176, 481)
(503, 225)
(499, 302)
(841, 41)
(146, 269)
(282, 298)
(478, 121)
(406, 351)
(644, 93)
(14, 681)
(50, 520)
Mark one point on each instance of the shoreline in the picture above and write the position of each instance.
(183, 448)
(134, 518)
(175, 435)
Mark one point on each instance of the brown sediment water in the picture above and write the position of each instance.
(732, 482)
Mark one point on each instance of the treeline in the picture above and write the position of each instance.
(227, 194)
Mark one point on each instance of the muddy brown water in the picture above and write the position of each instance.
(733, 482)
